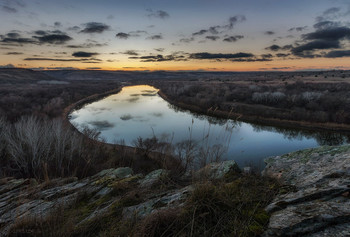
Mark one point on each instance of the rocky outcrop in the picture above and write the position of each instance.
(109, 192)
(315, 197)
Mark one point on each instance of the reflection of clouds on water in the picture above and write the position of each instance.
(126, 117)
(134, 95)
(158, 115)
(101, 125)
(140, 119)
(149, 93)
(133, 99)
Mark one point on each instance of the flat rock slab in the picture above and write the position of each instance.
(316, 198)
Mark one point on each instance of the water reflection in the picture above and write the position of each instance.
(138, 111)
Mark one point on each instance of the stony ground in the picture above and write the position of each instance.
(315, 199)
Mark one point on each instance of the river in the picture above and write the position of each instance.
(138, 111)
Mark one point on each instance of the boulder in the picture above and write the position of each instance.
(315, 197)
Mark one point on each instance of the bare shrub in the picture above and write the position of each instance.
(40, 146)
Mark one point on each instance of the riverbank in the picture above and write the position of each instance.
(259, 120)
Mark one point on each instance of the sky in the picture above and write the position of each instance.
(220, 35)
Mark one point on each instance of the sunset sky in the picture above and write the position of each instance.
(220, 35)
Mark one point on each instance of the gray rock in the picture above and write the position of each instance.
(152, 178)
(318, 202)
(217, 170)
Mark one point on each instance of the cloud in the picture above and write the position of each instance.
(282, 55)
(82, 54)
(333, 34)
(276, 47)
(236, 19)
(74, 28)
(159, 49)
(201, 32)
(19, 41)
(206, 55)
(54, 38)
(269, 32)
(86, 45)
(176, 56)
(155, 37)
(158, 14)
(212, 37)
(338, 54)
(93, 68)
(186, 40)
(122, 35)
(9, 9)
(330, 13)
(14, 53)
(13, 35)
(57, 24)
(92, 60)
(325, 25)
(130, 52)
(305, 49)
(95, 27)
(298, 29)
(233, 38)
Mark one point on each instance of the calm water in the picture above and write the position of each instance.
(138, 111)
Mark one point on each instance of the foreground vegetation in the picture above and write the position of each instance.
(232, 206)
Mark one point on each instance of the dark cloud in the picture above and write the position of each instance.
(176, 56)
(19, 41)
(330, 13)
(232, 21)
(53, 59)
(305, 50)
(159, 49)
(233, 38)
(269, 32)
(82, 54)
(236, 19)
(9, 9)
(14, 53)
(267, 55)
(158, 14)
(186, 40)
(276, 47)
(74, 28)
(282, 55)
(206, 55)
(40, 32)
(338, 54)
(330, 34)
(137, 33)
(53, 39)
(94, 27)
(13, 35)
(122, 35)
(325, 25)
(131, 52)
(92, 60)
(212, 37)
(201, 32)
(298, 29)
(57, 24)
(155, 37)
(86, 45)
(214, 29)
